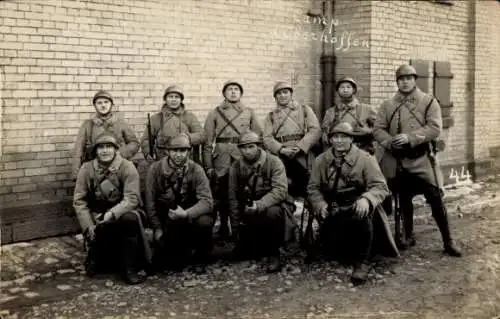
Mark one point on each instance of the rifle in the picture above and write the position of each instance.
(399, 231)
(150, 139)
(250, 193)
(308, 241)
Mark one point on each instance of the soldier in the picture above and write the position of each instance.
(261, 211)
(406, 127)
(172, 120)
(361, 116)
(106, 203)
(290, 131)
(345, 191)
(179, 204)
(223, 126)
(103, 120)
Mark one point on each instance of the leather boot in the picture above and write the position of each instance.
(129, 253)
(444, 227)
(360, 273)
(91, 268)
(451, 249)
(274, 264)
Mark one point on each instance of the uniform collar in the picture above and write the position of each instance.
(349, 106)
(293, 105)
(168, 168)
(259, 162)
(112, 167)
(349, 158)
(412, 97)
(167, 111)
(238, 106)
(98, 120)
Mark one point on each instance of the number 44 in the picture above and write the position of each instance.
(463, 178)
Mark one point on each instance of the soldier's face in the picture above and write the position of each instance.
(283, 97)
(406, 83)
(346, 90)
(173, 100)
(341, 142)
(178, 156)
(105, 152)
(250, 152)
(232, 93)
(103, 105)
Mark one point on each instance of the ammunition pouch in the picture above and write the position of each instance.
(110, 192)
(343, 200)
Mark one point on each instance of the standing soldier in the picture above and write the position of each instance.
(346, 190)
(290, 131)
(261, 212)
(103, 120)
(350, 110)
(179, 204)
(223, 127)
(406, 127)
(172, 120)
(105, 200)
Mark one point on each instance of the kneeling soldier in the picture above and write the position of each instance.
(261, 211)
(179, 204)
(345, 191)
(105, 200)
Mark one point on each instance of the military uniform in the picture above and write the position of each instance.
(223, 126)
(91, 128)
(418, 115)
(168, 187)
(111, 188)
(170, 123)
(361, 117)
(293, 125)
(337, 182)
(263, 183)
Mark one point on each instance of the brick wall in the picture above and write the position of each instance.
(56, 54)
(423, 30)
(487, 78)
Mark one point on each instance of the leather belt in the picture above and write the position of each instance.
(287, 138)
(233, 140)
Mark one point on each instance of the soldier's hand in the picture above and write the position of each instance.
(210, 173)
(400, 140)
(158, 234)
(287, 152)
(91, 232)
(148, 158)
(323, 212)
(108, 216)
(172, 214)
(295, 151)
(362, 207)
(181, 213)
(251, 209)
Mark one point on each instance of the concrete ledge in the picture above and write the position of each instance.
(37, 221)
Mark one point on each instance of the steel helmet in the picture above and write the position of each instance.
(343, 127)
(405, 69)
(249, 137)
(181, 141)
(349, 80)
(280, 86)
(232, 82)
(173, 89)
(105, 138)
(104, 94)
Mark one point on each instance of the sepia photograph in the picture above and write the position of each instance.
(249, 159)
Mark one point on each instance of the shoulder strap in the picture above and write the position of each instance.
(427, 110)
(287, 115)
(228, 122)
(90, 131)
